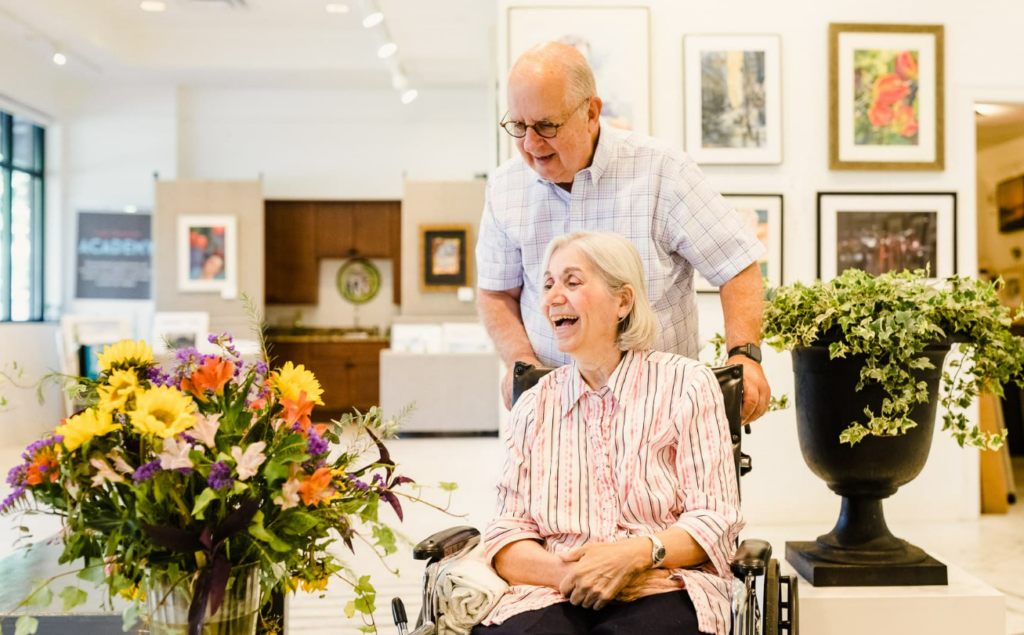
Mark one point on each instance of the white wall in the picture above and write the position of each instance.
(996, 164)
(332, 143)
(782, 489)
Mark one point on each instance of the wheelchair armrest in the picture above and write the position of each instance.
(444, 543)
(751, 558)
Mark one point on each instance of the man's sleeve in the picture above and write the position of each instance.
(705, 230)
(499, 260)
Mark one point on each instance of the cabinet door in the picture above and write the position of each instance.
(291, 273)
(334, 237)
(364, 377)
(371, 229)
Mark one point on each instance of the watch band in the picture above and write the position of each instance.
(658, 552)
(753, 351)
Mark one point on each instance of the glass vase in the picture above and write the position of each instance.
(237, 614)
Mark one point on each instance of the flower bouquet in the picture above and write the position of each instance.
(195, 493)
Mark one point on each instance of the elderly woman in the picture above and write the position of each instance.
(618, 509)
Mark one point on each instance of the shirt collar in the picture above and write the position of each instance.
(602, 157)
(574, 387)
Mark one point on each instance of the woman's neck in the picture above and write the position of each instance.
(597, 366)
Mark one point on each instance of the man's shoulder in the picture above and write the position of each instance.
(633, 145)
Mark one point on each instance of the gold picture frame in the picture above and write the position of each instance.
(905, 63)
(445, 257)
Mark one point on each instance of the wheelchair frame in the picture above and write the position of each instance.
(776, 615)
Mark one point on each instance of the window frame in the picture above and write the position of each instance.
(37, 179)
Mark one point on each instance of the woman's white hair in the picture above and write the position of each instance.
(618, 263)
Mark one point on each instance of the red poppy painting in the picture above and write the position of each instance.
(886, 94)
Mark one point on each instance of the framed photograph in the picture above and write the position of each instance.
(179, 330)
(763, 214)
(1012, 293)
(444, 252)
(879, 233)
(1010, 199)
(886, 87)
(208, 254)
(733, 98)
(616, 42)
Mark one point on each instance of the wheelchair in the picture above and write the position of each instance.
(774, 614)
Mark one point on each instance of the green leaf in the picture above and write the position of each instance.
(257, 530)
(448, 487)
(297, 522)
(203, 501)
(41, 594)
(275, 471)
(364, 605)
(73, 596)
(131, 616)
(93, 572)
(369, 628)
(26, 625)
(350, 609)
(364, 585)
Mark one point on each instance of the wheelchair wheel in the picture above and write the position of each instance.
(781, 600)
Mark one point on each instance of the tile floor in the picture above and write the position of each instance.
(991, 548)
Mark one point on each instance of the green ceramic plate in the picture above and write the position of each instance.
(358, 281)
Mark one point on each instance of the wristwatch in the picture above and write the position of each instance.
(753, 351)
(657, 552)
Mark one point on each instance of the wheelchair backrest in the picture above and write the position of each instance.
(730, 378)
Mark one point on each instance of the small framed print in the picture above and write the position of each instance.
(208, 254)
(762, 213)
(1011, 294)
(733, 99)
(879, 233)
(886, 89)
(444, 252)
(1010, 200)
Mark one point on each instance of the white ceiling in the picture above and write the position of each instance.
(1001, 123)
(442, 43)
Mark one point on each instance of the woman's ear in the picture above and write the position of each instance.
(626, 298)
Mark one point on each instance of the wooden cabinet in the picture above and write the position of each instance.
(291, 269)
(349, 373)
(300, 233)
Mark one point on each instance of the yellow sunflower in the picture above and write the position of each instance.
(163, 411)
(84, 426)
(125, 354)
(291, 381)
(120, 387)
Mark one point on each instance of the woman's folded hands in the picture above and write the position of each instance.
(601, 572)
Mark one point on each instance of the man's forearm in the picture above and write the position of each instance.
(500, 314)
(743, 306)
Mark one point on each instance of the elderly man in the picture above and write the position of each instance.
(575, 174)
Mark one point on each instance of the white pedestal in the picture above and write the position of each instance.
(966, 606)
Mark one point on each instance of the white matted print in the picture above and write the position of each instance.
(208, 254)
(733, 98)
(180, 330)
(762, 213)
(880, 233)
(616, 43)
(886, 97)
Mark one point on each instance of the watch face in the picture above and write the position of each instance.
(659, 555)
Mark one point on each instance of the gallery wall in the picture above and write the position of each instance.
(995, 249)
(781, 488)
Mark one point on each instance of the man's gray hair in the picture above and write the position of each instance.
(618, 263)
(580, 84)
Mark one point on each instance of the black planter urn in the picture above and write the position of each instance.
(860, 550)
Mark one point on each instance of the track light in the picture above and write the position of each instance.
(59, 59)
(409, 95)
(373, 19)
(387, 50)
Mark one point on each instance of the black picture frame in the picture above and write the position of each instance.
(1010, 204)
(430, 279)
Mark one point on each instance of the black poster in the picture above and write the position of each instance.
(115, 256)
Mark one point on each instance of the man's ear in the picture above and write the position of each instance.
(594, 112)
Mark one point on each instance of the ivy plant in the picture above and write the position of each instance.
(888, 321)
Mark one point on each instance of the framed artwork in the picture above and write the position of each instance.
(763, 214)
(1010, 199)
(879, 233)
(444, 252)
(176, 330)
(358, 281)
(1012, 293)
(886, 88)
(208, 254)
(733, 98)
(616, 42)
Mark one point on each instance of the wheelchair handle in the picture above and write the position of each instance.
(398, 612)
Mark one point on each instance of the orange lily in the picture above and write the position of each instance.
(212, 375)
(297, 410)
(43, 464)
(317, 488)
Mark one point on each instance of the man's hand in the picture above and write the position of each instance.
(602, 570)
(756, 392)
(649, 582)
(506, 384)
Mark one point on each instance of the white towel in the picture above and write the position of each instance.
(467, 590)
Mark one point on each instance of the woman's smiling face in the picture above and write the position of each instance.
(582, 310)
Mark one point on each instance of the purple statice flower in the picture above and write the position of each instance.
(297, 427)
(356, 483)
(261, 368)
(13, 498)
(225, 341)
(184, 470)
(378, 481)
(146, 472)
(220, 476)
(316, 445)
(186, 360)
(158, 377)
(16, 477)
(184, 436)
(34, 448)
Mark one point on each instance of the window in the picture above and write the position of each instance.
(21, 219)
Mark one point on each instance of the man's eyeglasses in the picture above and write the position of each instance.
(544, 129)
